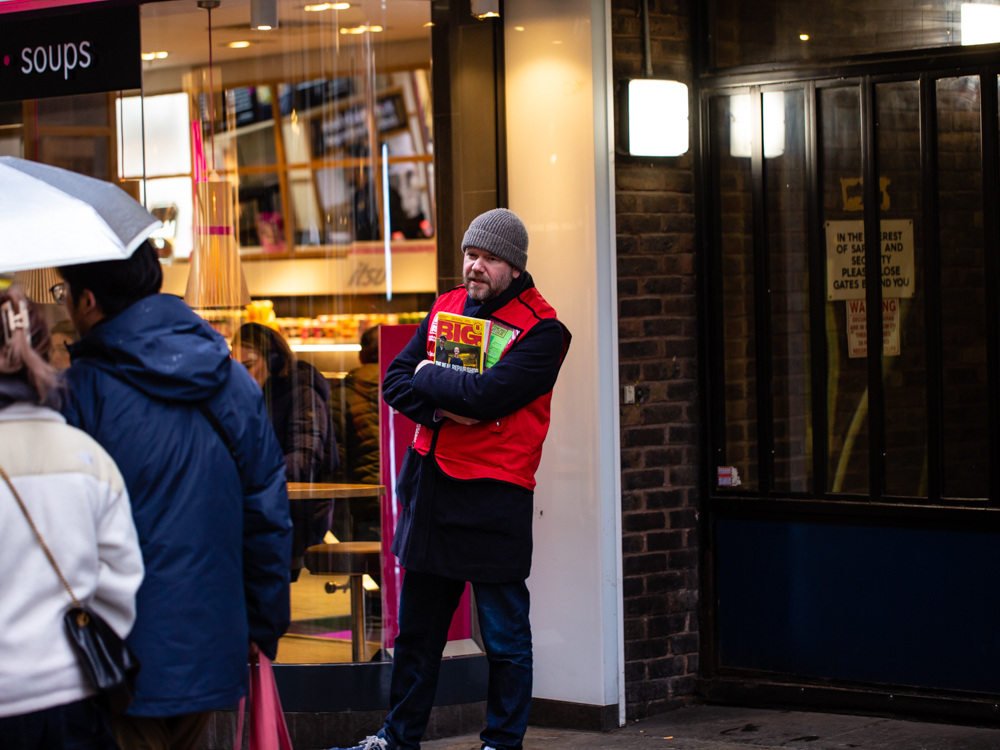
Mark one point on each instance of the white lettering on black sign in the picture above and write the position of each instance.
(73, 53)
(56, 61)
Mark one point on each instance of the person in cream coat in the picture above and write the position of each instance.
(78, 502)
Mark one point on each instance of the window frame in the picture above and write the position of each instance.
(866, 75)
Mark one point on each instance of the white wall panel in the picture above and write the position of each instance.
(559, 157)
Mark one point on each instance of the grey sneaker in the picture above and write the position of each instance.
(371, 742)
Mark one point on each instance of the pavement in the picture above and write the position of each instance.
(727, 728)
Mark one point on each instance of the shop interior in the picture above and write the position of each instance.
(318, 125)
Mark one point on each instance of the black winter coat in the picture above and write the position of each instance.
(478, 530)
(297, 405)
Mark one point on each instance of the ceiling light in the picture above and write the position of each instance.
(360, 29)
(328, 6)
(980, 23)
(804, 37)
(483, 9)
(518, 28)
(148, 55)
(238, 45)
(160, 55)
(657, 117)
(263, 15)
(428, 24)
(340, 6)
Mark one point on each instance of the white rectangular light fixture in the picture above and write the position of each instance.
(741, 125)
(657, 117)
(980, 23)
(263, 15)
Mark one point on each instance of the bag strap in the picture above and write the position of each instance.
(219, 429)
(38, 536)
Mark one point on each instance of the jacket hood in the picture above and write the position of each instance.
(160, 347)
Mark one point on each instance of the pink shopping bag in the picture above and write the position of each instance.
(268, 730)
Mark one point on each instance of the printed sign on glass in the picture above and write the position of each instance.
(845, 259)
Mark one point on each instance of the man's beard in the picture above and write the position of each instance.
(489, 291)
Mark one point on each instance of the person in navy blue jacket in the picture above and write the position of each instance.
(155, 385)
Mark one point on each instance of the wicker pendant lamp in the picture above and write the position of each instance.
(37, 283)
(216, 280)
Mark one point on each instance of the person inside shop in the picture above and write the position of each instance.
(156, 387)
(358, 413)
(364, 207)
(296, 395)
(405, 226)
(466, 487)
(75, 497)
(63, 336)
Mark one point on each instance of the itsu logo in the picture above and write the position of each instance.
(56, 58)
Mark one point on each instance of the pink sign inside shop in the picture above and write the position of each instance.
(395, 436)
(16, 6)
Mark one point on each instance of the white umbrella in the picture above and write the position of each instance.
(54, 217)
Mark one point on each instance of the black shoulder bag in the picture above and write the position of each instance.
(106, 660)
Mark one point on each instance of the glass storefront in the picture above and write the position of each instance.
(322, 131)
(802, 412)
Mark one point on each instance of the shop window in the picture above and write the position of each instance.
(11, 129)
(787, 236)
(732, 176)
(847, 385)
(963, 289)
(326, 141)
(904, 355)
(814, 409)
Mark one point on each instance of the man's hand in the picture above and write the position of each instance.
(422, 364)
(461, 420)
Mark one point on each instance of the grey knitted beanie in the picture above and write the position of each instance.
(499, 232)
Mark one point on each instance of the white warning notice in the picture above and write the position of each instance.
(845, 259)
(857, 328)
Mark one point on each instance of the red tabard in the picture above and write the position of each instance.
(507, 449)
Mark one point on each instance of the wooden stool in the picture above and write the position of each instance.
(354, 559)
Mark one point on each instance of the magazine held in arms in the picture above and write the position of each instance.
(467, 344)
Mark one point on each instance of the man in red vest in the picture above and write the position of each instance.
(466, 485)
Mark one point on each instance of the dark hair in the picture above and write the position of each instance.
(369, 346)
(25, 357)
(272, 347)
(117, 284)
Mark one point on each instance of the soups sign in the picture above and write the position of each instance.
(72, 53)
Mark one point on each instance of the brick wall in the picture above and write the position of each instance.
(657, 354)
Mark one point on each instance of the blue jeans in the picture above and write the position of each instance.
(426, 606)
(82, 725)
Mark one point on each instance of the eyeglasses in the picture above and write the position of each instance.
(58, 291)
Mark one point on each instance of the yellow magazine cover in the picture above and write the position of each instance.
(459, 342)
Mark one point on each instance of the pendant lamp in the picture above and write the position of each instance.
(36, 284)
(216, 280)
